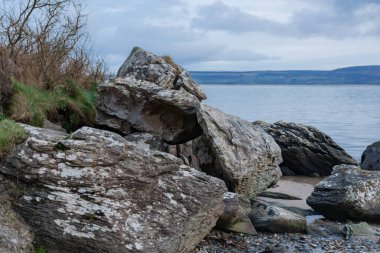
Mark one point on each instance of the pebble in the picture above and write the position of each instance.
(220, 242)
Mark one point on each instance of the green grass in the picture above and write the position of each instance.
(10, 134)
(69, 104)
(40, 249)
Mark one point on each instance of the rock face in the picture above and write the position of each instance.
(305, 149)
(235, 217)
(162, 71)
(15, 235)
(268, 217)
(371, 157)
(349, 193)
(94, 191)
(148, 141)
(127, 103)
(244, 156)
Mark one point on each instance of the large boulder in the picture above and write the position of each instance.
(145, 66)
(93, 191)
(370, 159)
(241, 154)
(15, 235)
(269, 217)
(235, 216)
(350, 193)
(126, 104)
(305, 149)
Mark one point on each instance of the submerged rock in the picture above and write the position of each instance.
(235, 216)
(350, 193)
(268, 217)
(94, 191)
(244, 156)
(305, 149)
(15, 235)
(125, 104)
(370, 159)
(145, 66)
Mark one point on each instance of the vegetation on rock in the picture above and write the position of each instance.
(10, 134)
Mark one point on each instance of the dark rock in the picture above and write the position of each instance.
(278, 195)
(162, 71)
(93, 191)
(305, 149)
(235, 217)
(371, 157)
(15, 235)
(348, 194)
(244, 156)
(268, 217)
(126, 103)
(286, 171)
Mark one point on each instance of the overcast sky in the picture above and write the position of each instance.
(239, 34)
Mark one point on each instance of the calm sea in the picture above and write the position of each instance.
(350, 114)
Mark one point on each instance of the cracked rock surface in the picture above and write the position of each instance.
(93, 191)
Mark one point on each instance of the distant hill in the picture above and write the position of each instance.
(350, 75)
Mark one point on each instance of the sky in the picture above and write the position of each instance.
(239, 35)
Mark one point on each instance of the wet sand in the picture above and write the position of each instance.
(298, 186)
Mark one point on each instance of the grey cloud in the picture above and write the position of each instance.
(340, 19)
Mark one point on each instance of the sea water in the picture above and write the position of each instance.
(350, 114)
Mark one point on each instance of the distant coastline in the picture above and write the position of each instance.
(349, 75)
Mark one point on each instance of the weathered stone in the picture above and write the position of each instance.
(93, 191)
(145, 66)
(15, 235)
(349, 193)
(370, 159)
(305, 149)
(268, 217)
(50, 125)
(148, 141)
(126, 103)
(235, 217)
(241, 154)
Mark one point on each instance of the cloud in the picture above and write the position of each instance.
(333, 19)
(241, 34)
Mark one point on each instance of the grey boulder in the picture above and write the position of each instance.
(15, 235)
(235, 216)
(350, 193)
(230, 148)
(268, 217)
(145, 66)
(305, 149)
(127, 104)
(370, 159)
(93, 191)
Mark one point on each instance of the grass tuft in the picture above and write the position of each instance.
(69, 104)
(11, 134)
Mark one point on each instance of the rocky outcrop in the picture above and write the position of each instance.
(244, 156)
(93, 191)
(127, 104)
(370, 159)
(268, 217)
(145, 66)
(235, 216)
(15, 235)
(148, 141)
(350, 193)
(305, 149)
